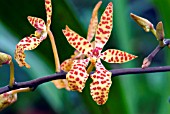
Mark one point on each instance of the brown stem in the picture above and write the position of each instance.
(56, 58)
(62, 75)
(12, 78)
(21, 90)
(147, 61)
(90, 68)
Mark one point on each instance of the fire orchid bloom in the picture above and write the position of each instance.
(67, 64)
(32, 41)
(78, 75)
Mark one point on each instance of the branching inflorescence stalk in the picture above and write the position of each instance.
(62, 75)
(116, 72)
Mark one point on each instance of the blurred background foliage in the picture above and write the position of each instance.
(130, 94)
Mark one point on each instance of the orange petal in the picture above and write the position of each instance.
(93, 22)
(116, 56)
(48, 8)
(27, 43)
(77, 76)
(104, 27)
(78, 42)
(37, 23)
(101, 84)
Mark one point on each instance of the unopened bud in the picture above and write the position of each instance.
(4, 58)
(144, 23)
(7, 99)
(160, 33)
(146, 63)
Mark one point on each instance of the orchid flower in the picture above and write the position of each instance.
(66, 65)
(32, 41)
(78, 75)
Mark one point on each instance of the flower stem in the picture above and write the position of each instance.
(12, 79)
(90, 68)
(56, 58)
(21, 90)
(154, 33)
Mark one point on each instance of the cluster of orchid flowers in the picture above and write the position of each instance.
(86, 51)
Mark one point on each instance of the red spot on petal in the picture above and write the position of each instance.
(68, 34)
(81, 38)
(81, 74)
(77, 79)
(108, 27)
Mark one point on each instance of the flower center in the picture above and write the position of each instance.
(93, 60)
(38, 33)
(95, 56)
(95, 52)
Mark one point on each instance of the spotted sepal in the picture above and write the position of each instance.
(61, 83)
(48, 8)
(66, 65)
(116, 56)
(37, 23)
(78, 42)
(101, 84)
(104, 27)
(5, 58)
(78, 75)
(93, 22)
(27, 43)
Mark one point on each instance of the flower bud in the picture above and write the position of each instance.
(7, 99)
(144, 23)
(4, 58)
(160, 33)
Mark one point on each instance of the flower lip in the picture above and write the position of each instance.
(38, 33)
(95, 52)
(93, 60)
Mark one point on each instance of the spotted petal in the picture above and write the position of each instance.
(66, 65)
(27, 43)
(77, 76)
(116, 56)
(78, 42)
(48, 8)
(93, 22)
(101, 84)
(37, 23)
(104, 27)
(61, 83)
